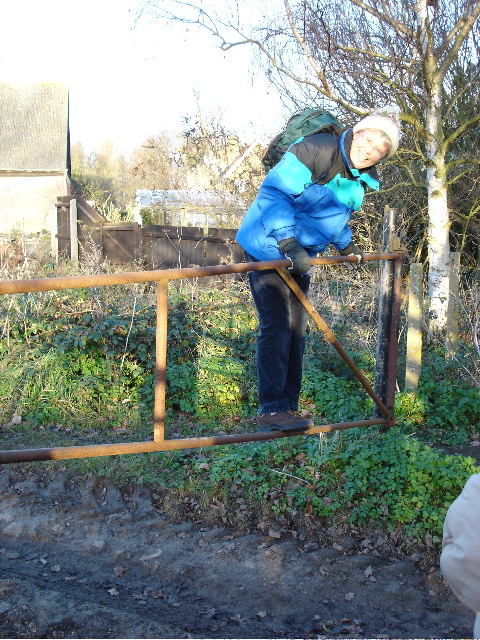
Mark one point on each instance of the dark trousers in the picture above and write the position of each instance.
(281, 340)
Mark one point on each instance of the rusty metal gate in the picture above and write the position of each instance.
(384, 407)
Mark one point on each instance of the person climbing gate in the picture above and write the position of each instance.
(297, 215)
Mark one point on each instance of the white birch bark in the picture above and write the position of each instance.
(438, 215)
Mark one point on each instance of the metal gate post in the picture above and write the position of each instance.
(393, 341)
(386, 352)
(160, 361)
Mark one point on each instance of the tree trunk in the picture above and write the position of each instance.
(438, 247)
(438, 218)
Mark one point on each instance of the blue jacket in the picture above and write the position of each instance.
(290, 202)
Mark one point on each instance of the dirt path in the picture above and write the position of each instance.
(86, 560)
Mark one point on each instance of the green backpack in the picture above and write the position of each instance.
(301, 124)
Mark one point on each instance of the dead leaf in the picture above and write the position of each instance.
(368, 572)
(119, 571)
(350, 596)
(56, 568)
(261, 614)
(273, 533)
(237, 618)
(113, 592)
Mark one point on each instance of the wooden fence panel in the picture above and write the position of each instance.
(158, 251)
(120, 242)
(191, 245)
(167, 247)
(153, 246)
(89, 224)
(221, 248)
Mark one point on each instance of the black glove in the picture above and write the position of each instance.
(352, 250)
(297, 255)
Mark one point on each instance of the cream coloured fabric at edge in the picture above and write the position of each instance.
(460, 559)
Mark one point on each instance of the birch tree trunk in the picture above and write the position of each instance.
(438, 214)
(438, 246)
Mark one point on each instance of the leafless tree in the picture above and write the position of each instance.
(157, 164)
(358, 54)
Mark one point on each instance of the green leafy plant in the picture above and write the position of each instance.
(78, 363)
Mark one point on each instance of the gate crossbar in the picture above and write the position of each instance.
(162, 277)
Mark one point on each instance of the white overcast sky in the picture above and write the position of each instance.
(127, 81)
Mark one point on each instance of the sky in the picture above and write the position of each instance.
(129, 79)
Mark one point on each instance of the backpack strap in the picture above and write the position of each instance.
(338, 166)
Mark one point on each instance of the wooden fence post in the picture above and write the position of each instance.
(385, 306)
(73, 231)
(414, 331)
(54, 233)
(453, 304)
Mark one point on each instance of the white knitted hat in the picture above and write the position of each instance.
(384, 119)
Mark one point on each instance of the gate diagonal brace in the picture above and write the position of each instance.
(332, 339)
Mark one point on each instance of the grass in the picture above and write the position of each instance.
(77, 367)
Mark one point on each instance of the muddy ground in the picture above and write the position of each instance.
(85, 559)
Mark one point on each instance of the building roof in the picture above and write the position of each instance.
(34, 127)
(185, 197)
(193, 207)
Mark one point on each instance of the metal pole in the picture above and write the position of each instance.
(160, 361)
(393, 341)
(129, 277)
(385, 306)
(99, 450)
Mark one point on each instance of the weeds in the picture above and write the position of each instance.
(78, 366)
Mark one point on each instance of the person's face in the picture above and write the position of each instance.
(368, 147)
